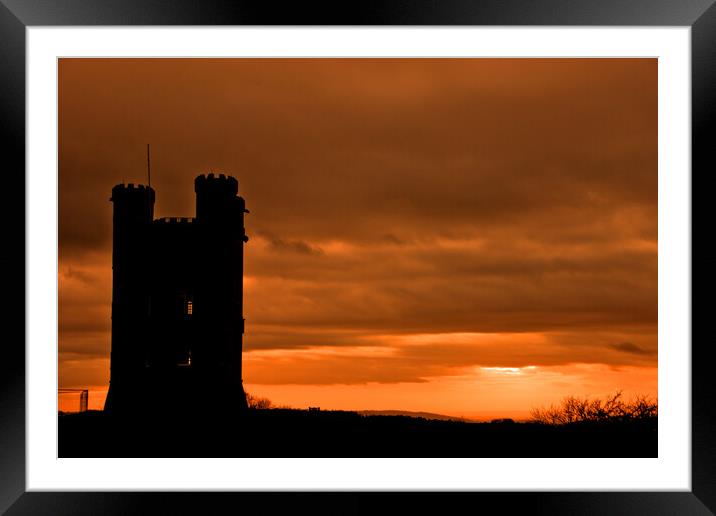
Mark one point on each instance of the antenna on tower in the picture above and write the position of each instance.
(149, 168)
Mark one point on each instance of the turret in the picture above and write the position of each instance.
(215, 198)
(133, 213)
(132, 220)
(133, 203)
(218, 303)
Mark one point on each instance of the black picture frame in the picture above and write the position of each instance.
(17, 15)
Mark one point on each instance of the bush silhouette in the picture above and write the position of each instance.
(573, 410)
(255, 402)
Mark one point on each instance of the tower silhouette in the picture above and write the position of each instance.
(177, 301)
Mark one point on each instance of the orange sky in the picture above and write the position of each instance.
(473, 237)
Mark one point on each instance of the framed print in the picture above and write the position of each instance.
(427, 248)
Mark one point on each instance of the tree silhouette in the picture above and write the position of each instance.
(573, 409)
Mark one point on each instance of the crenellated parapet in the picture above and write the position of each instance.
(221, 184)
(132, 192)
(178, 221)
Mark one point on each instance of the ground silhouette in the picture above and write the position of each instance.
(304, 433)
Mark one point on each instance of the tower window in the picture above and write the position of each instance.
(189, 307)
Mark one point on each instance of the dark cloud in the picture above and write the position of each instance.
(291, 246)
(425, 145)
(628, 347)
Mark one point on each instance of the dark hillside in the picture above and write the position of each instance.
(299, 433)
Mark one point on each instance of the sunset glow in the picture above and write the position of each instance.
(470, 237)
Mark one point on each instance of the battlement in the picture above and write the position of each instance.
(180, 221)
(213, 183)
(132, 191)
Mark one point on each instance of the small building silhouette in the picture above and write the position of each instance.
(177, 301)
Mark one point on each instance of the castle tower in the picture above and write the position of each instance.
(218, 300)
(132, 220)
(177, 301)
